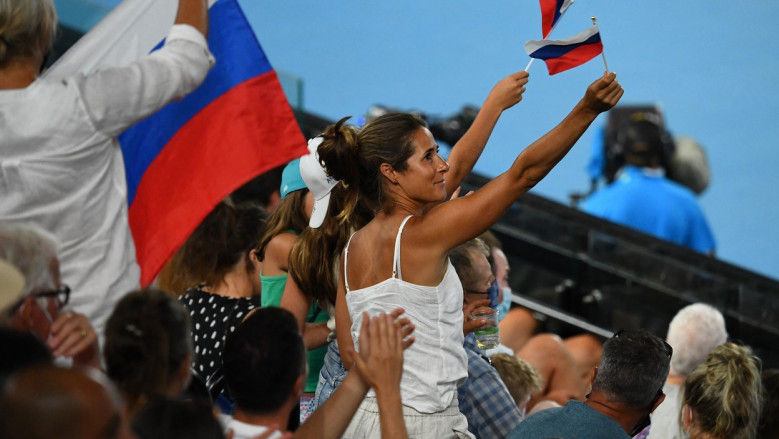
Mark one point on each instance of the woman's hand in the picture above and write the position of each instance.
(508, 91)
(603, 94)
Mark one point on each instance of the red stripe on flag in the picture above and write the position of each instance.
(245, 132)
(574, 58)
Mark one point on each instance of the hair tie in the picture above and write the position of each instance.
(132, 329)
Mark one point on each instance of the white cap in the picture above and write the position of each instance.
(11, 284)
(317, 181)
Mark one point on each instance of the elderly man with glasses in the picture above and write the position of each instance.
(38, 304)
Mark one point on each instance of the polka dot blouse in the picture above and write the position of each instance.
(214, 317)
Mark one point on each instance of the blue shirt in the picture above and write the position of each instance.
(645, 200)
(575, 420)
(484, 399)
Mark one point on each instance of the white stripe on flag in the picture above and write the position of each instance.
(533, 45)
(566, 4)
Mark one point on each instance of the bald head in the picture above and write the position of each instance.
(50, 402)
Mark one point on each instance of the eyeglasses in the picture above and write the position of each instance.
(669, 351)
(61, 294)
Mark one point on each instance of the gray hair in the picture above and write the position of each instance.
(32, 250)
(693, 333)
(633, 367)
(27, 28)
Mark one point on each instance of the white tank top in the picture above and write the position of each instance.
(436, 363)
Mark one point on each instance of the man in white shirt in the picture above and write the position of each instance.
(60, 164)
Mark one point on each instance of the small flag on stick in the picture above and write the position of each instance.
(561, 55)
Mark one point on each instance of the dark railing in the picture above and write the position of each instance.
(615, 277)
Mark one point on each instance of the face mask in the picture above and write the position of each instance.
(505, 305)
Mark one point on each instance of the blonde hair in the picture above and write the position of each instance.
(521, 378)
(27, 28)
(725, 393)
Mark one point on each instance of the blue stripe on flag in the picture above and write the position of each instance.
(557, 11)
(551, 51)
(230, 38)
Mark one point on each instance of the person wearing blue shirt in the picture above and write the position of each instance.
(643, 198)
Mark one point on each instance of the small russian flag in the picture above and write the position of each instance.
(561, 55)
(551, 11)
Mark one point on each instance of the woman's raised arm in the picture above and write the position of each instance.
(465, 153)
(454, 222)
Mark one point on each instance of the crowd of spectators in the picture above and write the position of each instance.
(343, 306)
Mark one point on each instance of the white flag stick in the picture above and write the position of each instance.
(603, 52)
(547, 35)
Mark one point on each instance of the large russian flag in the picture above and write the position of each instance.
(561, 55)
(184, 159)
(551, 11)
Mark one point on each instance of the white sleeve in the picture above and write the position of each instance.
(116, 98)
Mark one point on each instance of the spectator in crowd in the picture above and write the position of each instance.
(643, 198)
(60, 156)
(769, 418)
(520, 377)
(47, 402)
(310, 290)
(38, 306)
(482, 398)
(516, 324)
(546, 352)
(393, 163)
(148, 347)
(693, 333)
(283, 228)
(265, 369)
(224, 274)
(166, 418)
(281, 231)
(626, 388)
(722, 396)
(20, 350)
(352, 215)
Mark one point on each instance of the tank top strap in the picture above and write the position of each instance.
(346, 256)
(396, 256)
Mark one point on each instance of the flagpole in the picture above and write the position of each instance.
(603, 52)
(550, 33)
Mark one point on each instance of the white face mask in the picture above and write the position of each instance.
(505, 304)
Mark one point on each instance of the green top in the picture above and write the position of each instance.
(272, 290)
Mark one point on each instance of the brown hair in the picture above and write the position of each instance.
(354, 157)
(725, 393)
(225, 236)
(460, 258)
(312, 261)
(288, 216)
(27, 28)
(147, 338)
(520, 377)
